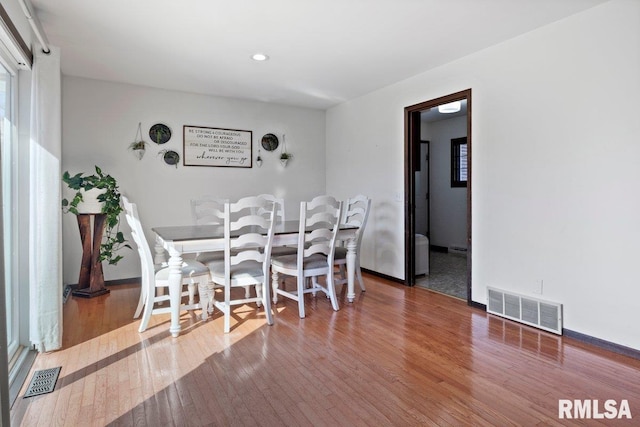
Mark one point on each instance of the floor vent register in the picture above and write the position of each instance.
(43, 382)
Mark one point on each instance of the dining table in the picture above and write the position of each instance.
(178, 240)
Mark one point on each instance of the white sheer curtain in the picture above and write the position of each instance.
(45, 226)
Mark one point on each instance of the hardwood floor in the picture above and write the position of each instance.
(397, 356)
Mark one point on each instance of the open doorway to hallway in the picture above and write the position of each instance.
(438, 195)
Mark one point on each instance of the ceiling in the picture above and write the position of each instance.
(322, 52)
(434, 115)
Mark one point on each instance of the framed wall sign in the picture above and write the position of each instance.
(204, 146)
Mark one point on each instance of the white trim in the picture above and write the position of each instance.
(15, 54)
(7, 59)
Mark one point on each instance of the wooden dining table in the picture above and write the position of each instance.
(186, 239)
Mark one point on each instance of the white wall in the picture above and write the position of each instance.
(421, 189)
(100, 120)
(448, 205)
(555, 166)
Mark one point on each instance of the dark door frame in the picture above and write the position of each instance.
(411, 158)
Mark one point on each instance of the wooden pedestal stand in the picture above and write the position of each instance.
(91, 280)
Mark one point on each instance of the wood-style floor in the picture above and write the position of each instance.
(397, 356)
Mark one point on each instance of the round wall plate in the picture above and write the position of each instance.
(270, 142)
(159, 133)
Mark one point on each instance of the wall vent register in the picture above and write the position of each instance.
(541, 314)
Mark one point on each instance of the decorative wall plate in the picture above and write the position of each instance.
(270, 142)
(159, 133)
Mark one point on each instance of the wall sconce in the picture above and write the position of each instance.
(285, 156)
(138, 145)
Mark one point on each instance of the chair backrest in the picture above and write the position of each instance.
(208, 210)
(321, 215)
(144, 251)
(356, 213)
(278, 206)
(248, 235)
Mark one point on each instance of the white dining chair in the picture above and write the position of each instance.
(278, 204)
(208, 210)
(193, 273)
(248, 239)
(319, 222)
(356, 213)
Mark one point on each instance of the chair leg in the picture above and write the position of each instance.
(143, 297)
(205, 290)
(227, 320)
(301, 284)
(191, 287)
(266, 304)
(359, 275)
(227, 309)
(148, 309)
(331, 287)
(275, 284)
(258, 293)
(247, 291)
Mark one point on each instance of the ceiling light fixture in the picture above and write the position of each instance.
(259, 57)
(452, 107)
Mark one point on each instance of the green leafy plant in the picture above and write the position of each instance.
(138, 145)
(161, 134)
(113, 239)
(284, 155)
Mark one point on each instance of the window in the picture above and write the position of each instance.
(7, 158)
(14, 56)
(14, 279)
(459, 162)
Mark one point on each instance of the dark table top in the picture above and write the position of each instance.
(202, 232)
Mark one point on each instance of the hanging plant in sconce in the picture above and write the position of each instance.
(284, 155)
(170, 157)
(138, 146)
(160, 133)
(259, 159)
(138, 149)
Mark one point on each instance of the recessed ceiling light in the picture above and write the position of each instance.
(259, 57)
(452, 107)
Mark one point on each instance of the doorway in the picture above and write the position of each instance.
(420, 225)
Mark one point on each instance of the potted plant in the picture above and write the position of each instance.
(138, 145)
(284, 155)
(138, 148)
(170, 157)
(284, 158)
(103, 189)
